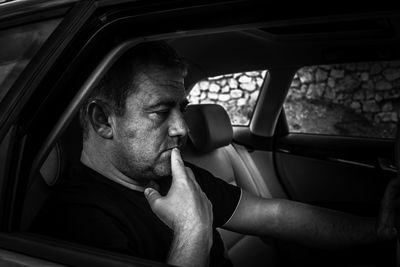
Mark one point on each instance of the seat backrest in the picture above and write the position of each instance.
(210, 147)
(63, 154)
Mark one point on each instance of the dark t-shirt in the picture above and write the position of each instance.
(90, 209)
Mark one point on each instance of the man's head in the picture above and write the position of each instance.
(133, 119)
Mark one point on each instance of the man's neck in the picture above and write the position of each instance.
(110, 172)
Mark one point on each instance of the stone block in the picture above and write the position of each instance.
(355, 105)
(233, 84)
(214, 88)
(391, 74)
(370, 106)
(253, 73)
(329, 93)
(337, 74)
(359, 95)
(331, 82)
(245, 79)
(204, 85)
(375, 69)
(369, 85)
(295, 83)
(387, 106)
(306, 77)
(212, 96)
(195, 90)
(222, 82)
(225, 89)
(254, 95)
(364, 76)
(236, 93)
(393, 94)
(386, 117)
(259, 81)
(263, 73)
(224, 97)
(321, 75)
(383, 85)
(241, 102)
(378, 97)
(250, 86)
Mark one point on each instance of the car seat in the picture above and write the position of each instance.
(210, 147)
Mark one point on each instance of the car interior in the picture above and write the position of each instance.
(345, 173)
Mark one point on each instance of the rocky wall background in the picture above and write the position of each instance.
(359, 99)
(237, 93)
(348, 99)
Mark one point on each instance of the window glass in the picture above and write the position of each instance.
(18, 46)
(237, 93)
(354, 99)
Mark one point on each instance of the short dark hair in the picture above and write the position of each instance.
(120, 81)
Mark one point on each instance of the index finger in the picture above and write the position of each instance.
(177, 167)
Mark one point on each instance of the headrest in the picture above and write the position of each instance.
(51, 167)
(209, 125)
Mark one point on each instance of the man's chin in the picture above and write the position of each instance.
(162, 171)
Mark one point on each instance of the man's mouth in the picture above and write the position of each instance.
(170, 148)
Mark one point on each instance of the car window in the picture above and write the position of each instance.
(353, 99)
(236, 92)
(18, 46)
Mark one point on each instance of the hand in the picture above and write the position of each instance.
(185, 207)
(387, 224)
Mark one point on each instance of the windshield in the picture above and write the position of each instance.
(18, 46)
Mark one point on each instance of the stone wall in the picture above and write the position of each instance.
(237, 92)
(371, 89)
(359, 99)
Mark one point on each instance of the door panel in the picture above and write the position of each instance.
(341, 173)
(337, 172)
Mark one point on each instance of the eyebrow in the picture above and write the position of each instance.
(169, 103)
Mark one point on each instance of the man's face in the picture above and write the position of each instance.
(152, 125)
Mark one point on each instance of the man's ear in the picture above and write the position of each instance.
(98, 113)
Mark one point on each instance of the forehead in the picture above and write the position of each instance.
(154, 85)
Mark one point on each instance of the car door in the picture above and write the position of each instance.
(336, 145)
(23, 61)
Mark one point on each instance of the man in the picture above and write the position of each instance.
(132, 193)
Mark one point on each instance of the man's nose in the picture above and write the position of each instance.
(178, 126)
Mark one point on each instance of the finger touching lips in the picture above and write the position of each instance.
(177, 166)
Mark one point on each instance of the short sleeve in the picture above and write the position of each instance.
(223, 196)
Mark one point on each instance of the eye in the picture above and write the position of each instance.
(161, 113)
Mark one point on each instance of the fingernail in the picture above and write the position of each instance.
(147, 191)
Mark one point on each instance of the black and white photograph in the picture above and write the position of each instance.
(196, 133)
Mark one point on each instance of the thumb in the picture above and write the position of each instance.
(151, 195)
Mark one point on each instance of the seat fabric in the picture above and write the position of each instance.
(210, 147)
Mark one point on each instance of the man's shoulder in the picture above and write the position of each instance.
(199, 171)
(86, 188)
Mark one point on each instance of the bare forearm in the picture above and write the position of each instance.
(301, 223)
(317, 226)
(191, 248)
